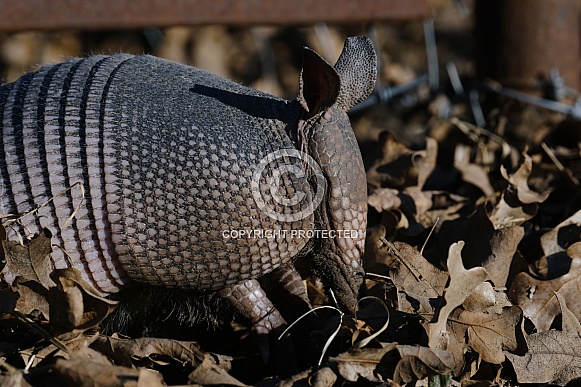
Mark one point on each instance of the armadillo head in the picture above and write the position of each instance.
(324, 131)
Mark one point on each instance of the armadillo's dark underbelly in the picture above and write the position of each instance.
(156, 190)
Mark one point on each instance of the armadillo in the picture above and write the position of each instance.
(145, 170)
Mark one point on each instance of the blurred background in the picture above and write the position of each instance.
(511, 67)
(261, 50)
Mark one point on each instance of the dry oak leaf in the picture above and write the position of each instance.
(486, 323)
(487, 333)
(462, 283)
(503, 246)
(211, 373)
(384, 199)
(372, 364)
(492, 249)
(472, 173)
(419, 362)
(400, 167)
(553, 356)
(125, 351)
(407, 364)
(30, 261)
(518, 202)
(519, 180)
(430, 207)
(74, 304)
(558, 239)
(25, 297)
(82, 371)
(537, 298)
(419, 283)
(322, 378)
(486, 299)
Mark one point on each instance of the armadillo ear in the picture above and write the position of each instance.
(357, 68)
(319, 83)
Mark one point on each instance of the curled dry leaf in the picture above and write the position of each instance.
(562, 236)
(429, 207)
(324, 377)
(486, 299)
(489, 334)
(75, 305)
(462, 283)
(208, 369)
(30, 261)
(518, 202)
(519, 181)
(416, 209)
(425, 161)
(420, 284)
(407, 364)
(372, 364)
(82, 371)
(400, 167)
(211, 373)
(419, 362)
(126, 351)
(29, 296)
(537, 297)
(384, 199)
(472, 173)
(553, 356)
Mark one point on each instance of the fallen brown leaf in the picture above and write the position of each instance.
(324, 377)
(420, 284)
(30, 261)
(519, 181)
(518, 202)
(486, 299)
(82, 371)
(211, 373)
(489, 334)
(553, 356)
(472, 173)
(485, 246)
(125, 351)
(372, 364)
(400, 363)
(400, 167)
(31, 296)
(537, 297)
(462, 283)
(384, 199)
(419, 362)
(562, 236)
(75, 305)
(503, 246)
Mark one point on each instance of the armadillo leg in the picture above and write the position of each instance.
(250, 300)
(285, 287)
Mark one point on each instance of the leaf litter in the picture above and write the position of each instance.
(473, 247)
(468, 292)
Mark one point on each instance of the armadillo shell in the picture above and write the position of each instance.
(155, 160)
